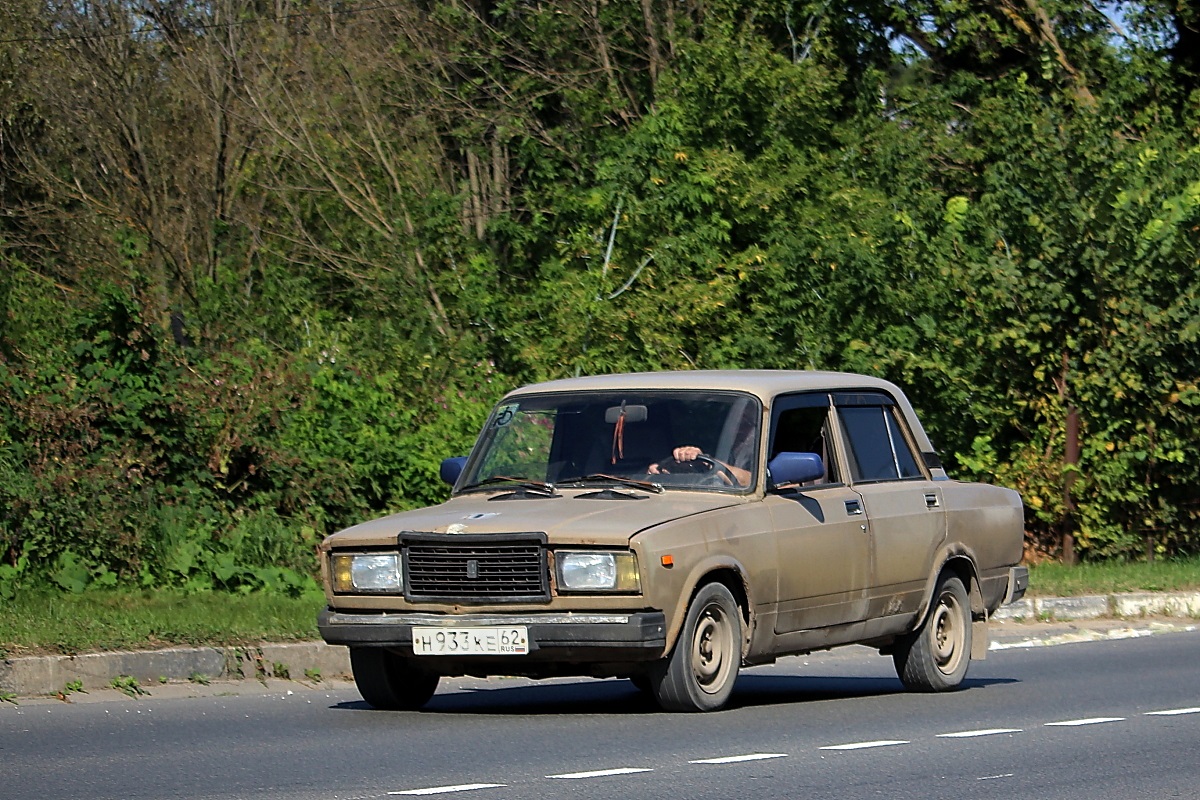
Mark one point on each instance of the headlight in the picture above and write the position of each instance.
(366, 572)
(593, 571)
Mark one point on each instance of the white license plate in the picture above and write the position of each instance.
(512, 640)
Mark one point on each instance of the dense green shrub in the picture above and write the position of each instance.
(255, 288)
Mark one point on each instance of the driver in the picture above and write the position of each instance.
(689, 453)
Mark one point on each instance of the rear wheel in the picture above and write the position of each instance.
(935, 657)
(388, 681)
(702, 668)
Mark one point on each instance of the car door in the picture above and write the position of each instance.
(822, 536)
(907, 515)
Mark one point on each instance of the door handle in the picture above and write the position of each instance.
(853, 508)
(932, 500)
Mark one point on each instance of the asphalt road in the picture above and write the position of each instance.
(1095, 720)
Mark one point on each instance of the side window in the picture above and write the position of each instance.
(875, 443)
(801, 425)
(867, 442)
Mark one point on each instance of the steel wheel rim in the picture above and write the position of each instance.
(948, 633)
(712, 649)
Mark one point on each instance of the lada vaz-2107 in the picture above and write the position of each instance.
(672, 528)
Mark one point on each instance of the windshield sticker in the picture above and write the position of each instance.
(505, 415)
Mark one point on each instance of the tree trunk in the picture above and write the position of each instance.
(1071, 464)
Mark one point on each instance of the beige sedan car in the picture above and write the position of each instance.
(672, 528)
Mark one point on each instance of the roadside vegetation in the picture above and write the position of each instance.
(56, 623)
(1053, 579)
(263, 265)
(48, 622)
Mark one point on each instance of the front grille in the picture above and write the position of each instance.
(480, 568)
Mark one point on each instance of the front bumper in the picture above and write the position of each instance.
(580, 637)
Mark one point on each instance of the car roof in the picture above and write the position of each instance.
(765, 383)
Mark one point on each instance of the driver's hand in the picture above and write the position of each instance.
(686, 453)
(681, 454)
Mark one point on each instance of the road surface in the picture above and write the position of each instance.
(1106, 719)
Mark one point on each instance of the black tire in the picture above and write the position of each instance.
(700, 672)
(935, 657)
(387, 681)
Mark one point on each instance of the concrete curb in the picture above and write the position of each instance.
(1119, 606)
(46, 675)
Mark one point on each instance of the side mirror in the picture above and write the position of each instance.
(787, 468)
(452, 468)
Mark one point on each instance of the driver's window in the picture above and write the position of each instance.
(802, 426)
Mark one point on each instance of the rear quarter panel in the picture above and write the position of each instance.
(987, 522)
(987, 519)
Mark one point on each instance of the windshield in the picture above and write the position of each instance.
(691, 440)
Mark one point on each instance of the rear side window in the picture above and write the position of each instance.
(875, 442)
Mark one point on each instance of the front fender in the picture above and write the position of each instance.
(735, 545)
(719, 568)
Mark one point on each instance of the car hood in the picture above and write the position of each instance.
(570, 518)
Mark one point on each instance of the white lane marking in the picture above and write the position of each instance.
(1172, 712)
(1072, 723)
(462, 787)
(973, 734)
(601, 773)
(996, 777)
(864, 745)
(738, 759)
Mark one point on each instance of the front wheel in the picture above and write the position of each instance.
(700, 672)
(387, 681)
(935, 657)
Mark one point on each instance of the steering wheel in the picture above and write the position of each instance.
(702, 465)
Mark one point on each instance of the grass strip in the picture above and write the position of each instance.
(48, 622)
(1051, 579)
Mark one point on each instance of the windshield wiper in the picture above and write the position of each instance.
(600, 477)
(526, 484)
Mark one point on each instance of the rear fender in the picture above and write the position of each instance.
(957, 559)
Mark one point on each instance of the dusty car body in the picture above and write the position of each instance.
(807, 510)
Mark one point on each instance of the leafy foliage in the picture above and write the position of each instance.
(257, 279)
